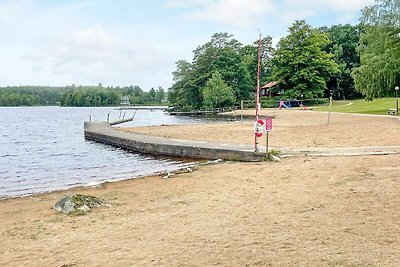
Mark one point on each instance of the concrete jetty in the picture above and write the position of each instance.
(103, 132)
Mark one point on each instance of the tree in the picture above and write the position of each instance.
(160, 95)
(152, 94)
(249, 55)
(344, 41)
(234, 73)
(379, 50)
(29, 95)
(217, 94)
(222, 40)
(220, 54)
(300, 65)
(183, 93)
(87, 96)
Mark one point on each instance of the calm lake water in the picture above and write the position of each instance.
(43, 149)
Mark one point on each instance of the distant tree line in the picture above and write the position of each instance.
(344, 61)
(78, 96)
(29, 96)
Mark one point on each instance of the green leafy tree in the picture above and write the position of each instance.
(183, 93)
(379, 50)
(300, 65)
(217, 93)
(234, 73)
(29, 95)
(249, 56)
(152, 95)
(220, 54)
(85, 96)
(136, 95)
(344, 41)
(160, 95)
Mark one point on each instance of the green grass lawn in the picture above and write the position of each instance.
(377, 106)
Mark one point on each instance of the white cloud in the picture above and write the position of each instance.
(227, 12)
(248, 12)
(10, 10)
(316, 12)
(294, 9)
(95, 54)
(329, 5)
(93, 37)
(59, 48)
(186, 4)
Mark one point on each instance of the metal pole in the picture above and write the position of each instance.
(266, 149)
(397, 100)
(241, 111)
(330, 106)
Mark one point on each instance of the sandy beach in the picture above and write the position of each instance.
(292, 129)
(301, 211)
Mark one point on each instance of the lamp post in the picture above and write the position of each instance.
(397, 100)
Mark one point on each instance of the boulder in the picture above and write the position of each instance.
(79, 204)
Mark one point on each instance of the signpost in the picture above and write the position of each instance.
(268, 127)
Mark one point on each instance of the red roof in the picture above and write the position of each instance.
(269, 85)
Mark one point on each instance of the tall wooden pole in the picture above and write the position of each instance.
(258, 89)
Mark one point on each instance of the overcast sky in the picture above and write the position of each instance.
(137, 42)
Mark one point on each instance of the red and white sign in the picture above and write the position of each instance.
(268, 124)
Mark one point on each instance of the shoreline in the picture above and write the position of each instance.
(101, 184)
(305, 210)
(77, 187)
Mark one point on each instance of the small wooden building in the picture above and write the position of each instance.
(268, 90)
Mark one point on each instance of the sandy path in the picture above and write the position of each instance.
(303, 211)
